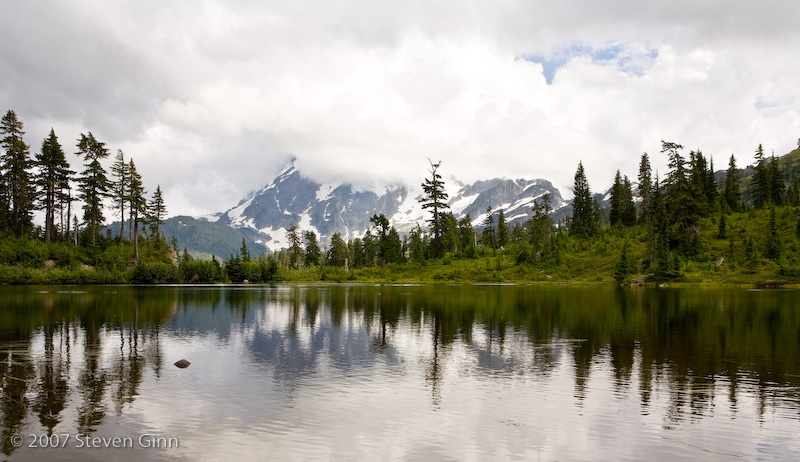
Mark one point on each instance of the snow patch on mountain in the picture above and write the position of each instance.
(294, 200)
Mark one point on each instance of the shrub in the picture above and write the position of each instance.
(154, 273)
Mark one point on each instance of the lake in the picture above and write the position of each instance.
(396, 372)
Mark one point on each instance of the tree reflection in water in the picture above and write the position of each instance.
(88, 350)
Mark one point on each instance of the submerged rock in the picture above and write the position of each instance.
(183, 364)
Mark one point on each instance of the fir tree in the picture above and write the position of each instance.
(119, 169)
(393, 247)
(295, 245)
(583, 217)
(489, 233)
(616, 200)
(244, 253)
(645, 188)
(466, 236)
(793, 195)
(15, 164)
(722, 231)
(312, 249)
(93, 185)
(683, 201)
(434, 199)
(502, 230)
(137, 204)
(339, 252)
(415, 245)
(776, 182)
(761, 179)
(627, 207)
(157, 211)
(540, 224)
(731, 194)
(53, 177)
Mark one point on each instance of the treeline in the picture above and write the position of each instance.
(664, 228)
(45, 182)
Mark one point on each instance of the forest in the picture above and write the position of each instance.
(692, 225)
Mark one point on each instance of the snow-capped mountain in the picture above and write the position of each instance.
(292, 199)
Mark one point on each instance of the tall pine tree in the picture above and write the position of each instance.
(157, 211)
(93, 185)
(731, 193)
(53, 177)
(761, 179)
(137, 204)
(434, 199)
(776, 182)
(645, 188)
(15, 164)
(583, 220)
(120, 171)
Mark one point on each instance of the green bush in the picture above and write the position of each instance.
(154, 273)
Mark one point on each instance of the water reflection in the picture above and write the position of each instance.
(74, 359)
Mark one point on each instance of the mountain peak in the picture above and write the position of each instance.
(291, 199)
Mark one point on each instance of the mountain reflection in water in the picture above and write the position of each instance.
(408, 372)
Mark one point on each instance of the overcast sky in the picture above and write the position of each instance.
(211, 99)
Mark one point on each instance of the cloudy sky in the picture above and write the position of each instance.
(211, 99)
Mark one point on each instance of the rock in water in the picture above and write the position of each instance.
(183, 364)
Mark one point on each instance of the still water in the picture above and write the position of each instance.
(338, 372)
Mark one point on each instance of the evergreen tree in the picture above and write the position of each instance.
(434, 199)
(449, 232)
(244, 253)
(312, 249)
(119, 169)
(137, 204)
(15, 164)
(339, 252)
(701, 178)
(370, 249)
(776, 182)
(540, 224)
(793, 195)
(722, 230)
(683, 201)
(93, 186)
(583, 217)
(489, 233)
(393, 247)
(502, 230)
(54, 174)
(381, 224)
(645, 188)
(616, 200)
(627, 207)
(157, 211)
(415, 246)
(295, 245)
(622, 209)
(356, 251)
(659, 234)
(761, 179)
(466, 236)
(731, 194)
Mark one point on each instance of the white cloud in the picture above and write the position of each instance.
(210, 98)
